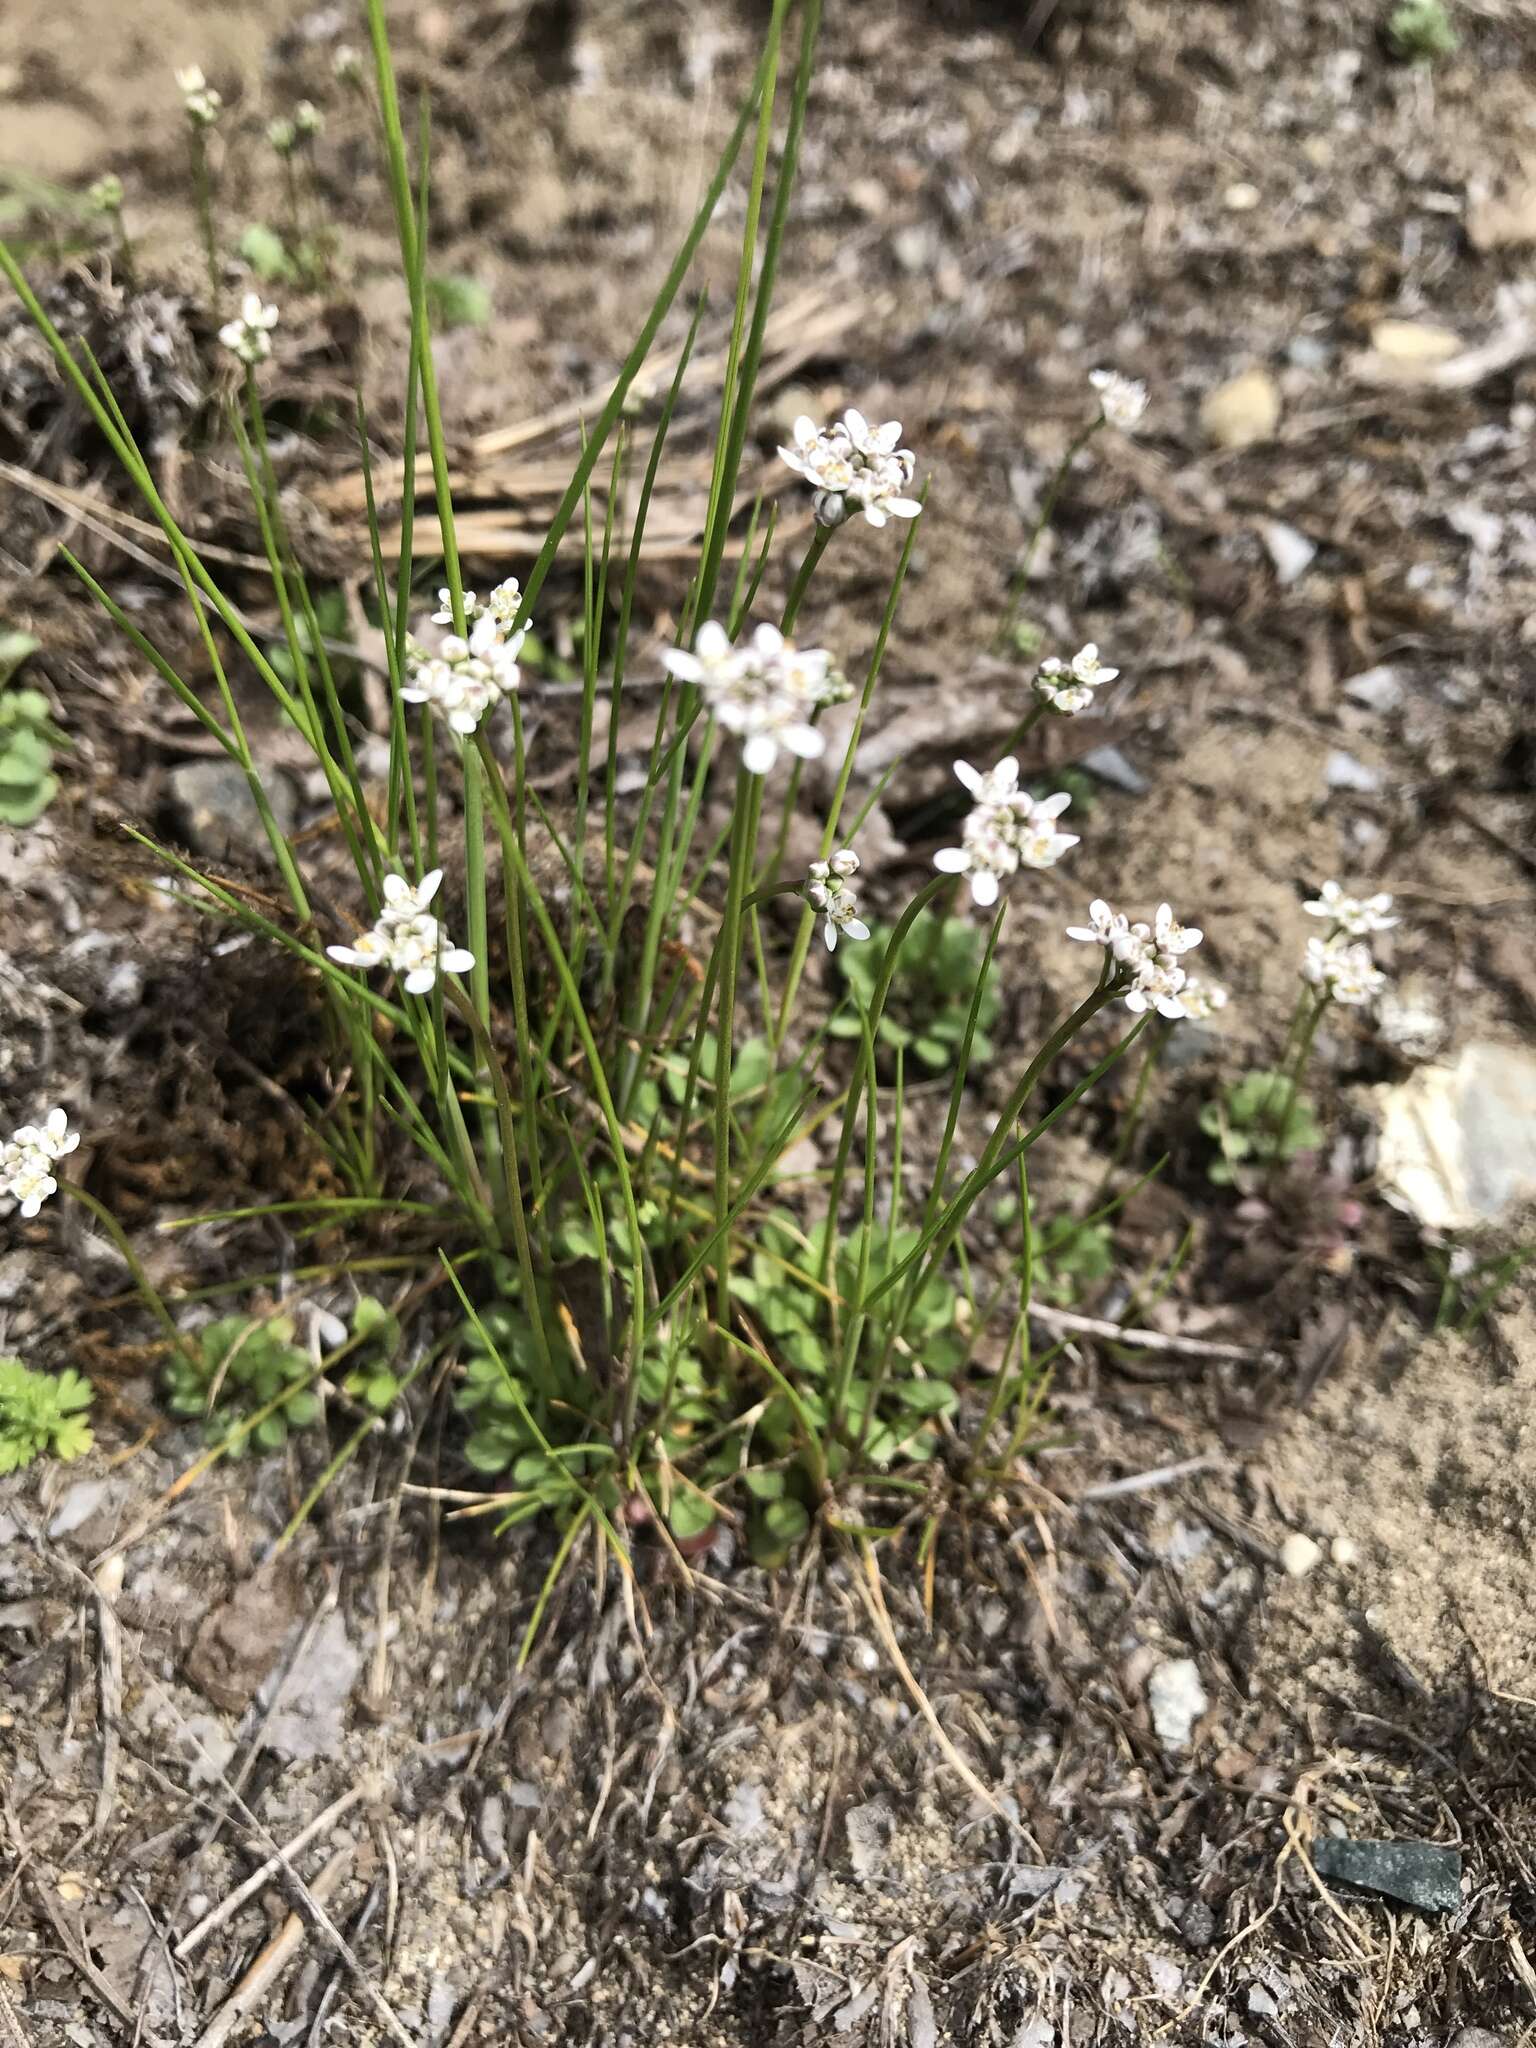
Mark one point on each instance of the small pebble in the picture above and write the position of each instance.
(1344, 1551)
(1343, 771)
(1300, 1555)
(1177, 1699)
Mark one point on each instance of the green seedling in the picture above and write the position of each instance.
(1257, 1122)
(232, 1368)
(930, 997)
(42, 1415)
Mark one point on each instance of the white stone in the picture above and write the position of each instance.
(1300, 1555)
(1177, 1700)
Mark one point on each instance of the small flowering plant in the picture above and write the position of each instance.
(201, 104)
(28, 1158)
(706, 1259)
(1122, 400)
(406, 938)
(1006, 829)
(1067, 688)
(827, 890)
(767, 692)
(1355, 917)
(249, 338)
(1146, 962)
(852, 467)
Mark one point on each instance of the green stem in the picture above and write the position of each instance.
(149, 1294)
(820, 541)
(749, 800)
(202, 192)
(1294, 1081)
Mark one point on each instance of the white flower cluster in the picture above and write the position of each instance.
(1067, 689)
(827, 890)
(1005, 830)
(466, 678)
(1122, 400)
(1356, 916)
(347, 65)
(407, 938)
(1150, 959)
(28, 1160)
(766, 691)
(1339, 963)
(198, 97)
(854, 467)
(1344, 968)
(249, 338)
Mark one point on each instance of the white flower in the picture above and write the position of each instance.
(282, 135)
(1356, 915)
(1201, 999)
(250, 337)
(308, 119)
(27, 1161)
(1346, 971)
(407, 939)
(1149, 957)
(854, 467)
(1006, 829)
(1107, 928)
(1169, 936)
(198, 97)
(767, 691)
(1122, 400)
(1070, 689)
(346, 65)
(443, 616)
(465, 679)
(827, 890)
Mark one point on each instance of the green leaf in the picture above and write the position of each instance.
(458, 302)
(261, 250)
(15, 648)
(690, 1514)
(786, 1520)
(763, 1485)
(928, 1397)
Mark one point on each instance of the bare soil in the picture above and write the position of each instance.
(715, 1811)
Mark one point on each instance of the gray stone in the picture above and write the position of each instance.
(1421, 1874)
(218, 813)
(1111, 766)
(1377, 689)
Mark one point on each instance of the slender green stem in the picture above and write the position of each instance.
(202, 194)
(821, 540)
(149, 1294)
(1294, 1081)
(749, 799)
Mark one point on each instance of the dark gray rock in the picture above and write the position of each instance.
(1419, 1873)
(218, 813)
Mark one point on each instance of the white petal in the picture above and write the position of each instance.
(857, 425)
(883, 439)
(348, 956)
(419, 980)
(427, 888)
(874, 515)
(457, 960)
(856, 928)
(803, 740)
(831, 934)
(804, 430)
(1053, 806)
(768, 641)
(686, 667)
(971, 777)
(396, 888)
(952, 860)
(984, 888)
(759, 753)
(904, 508)
(711, 642)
